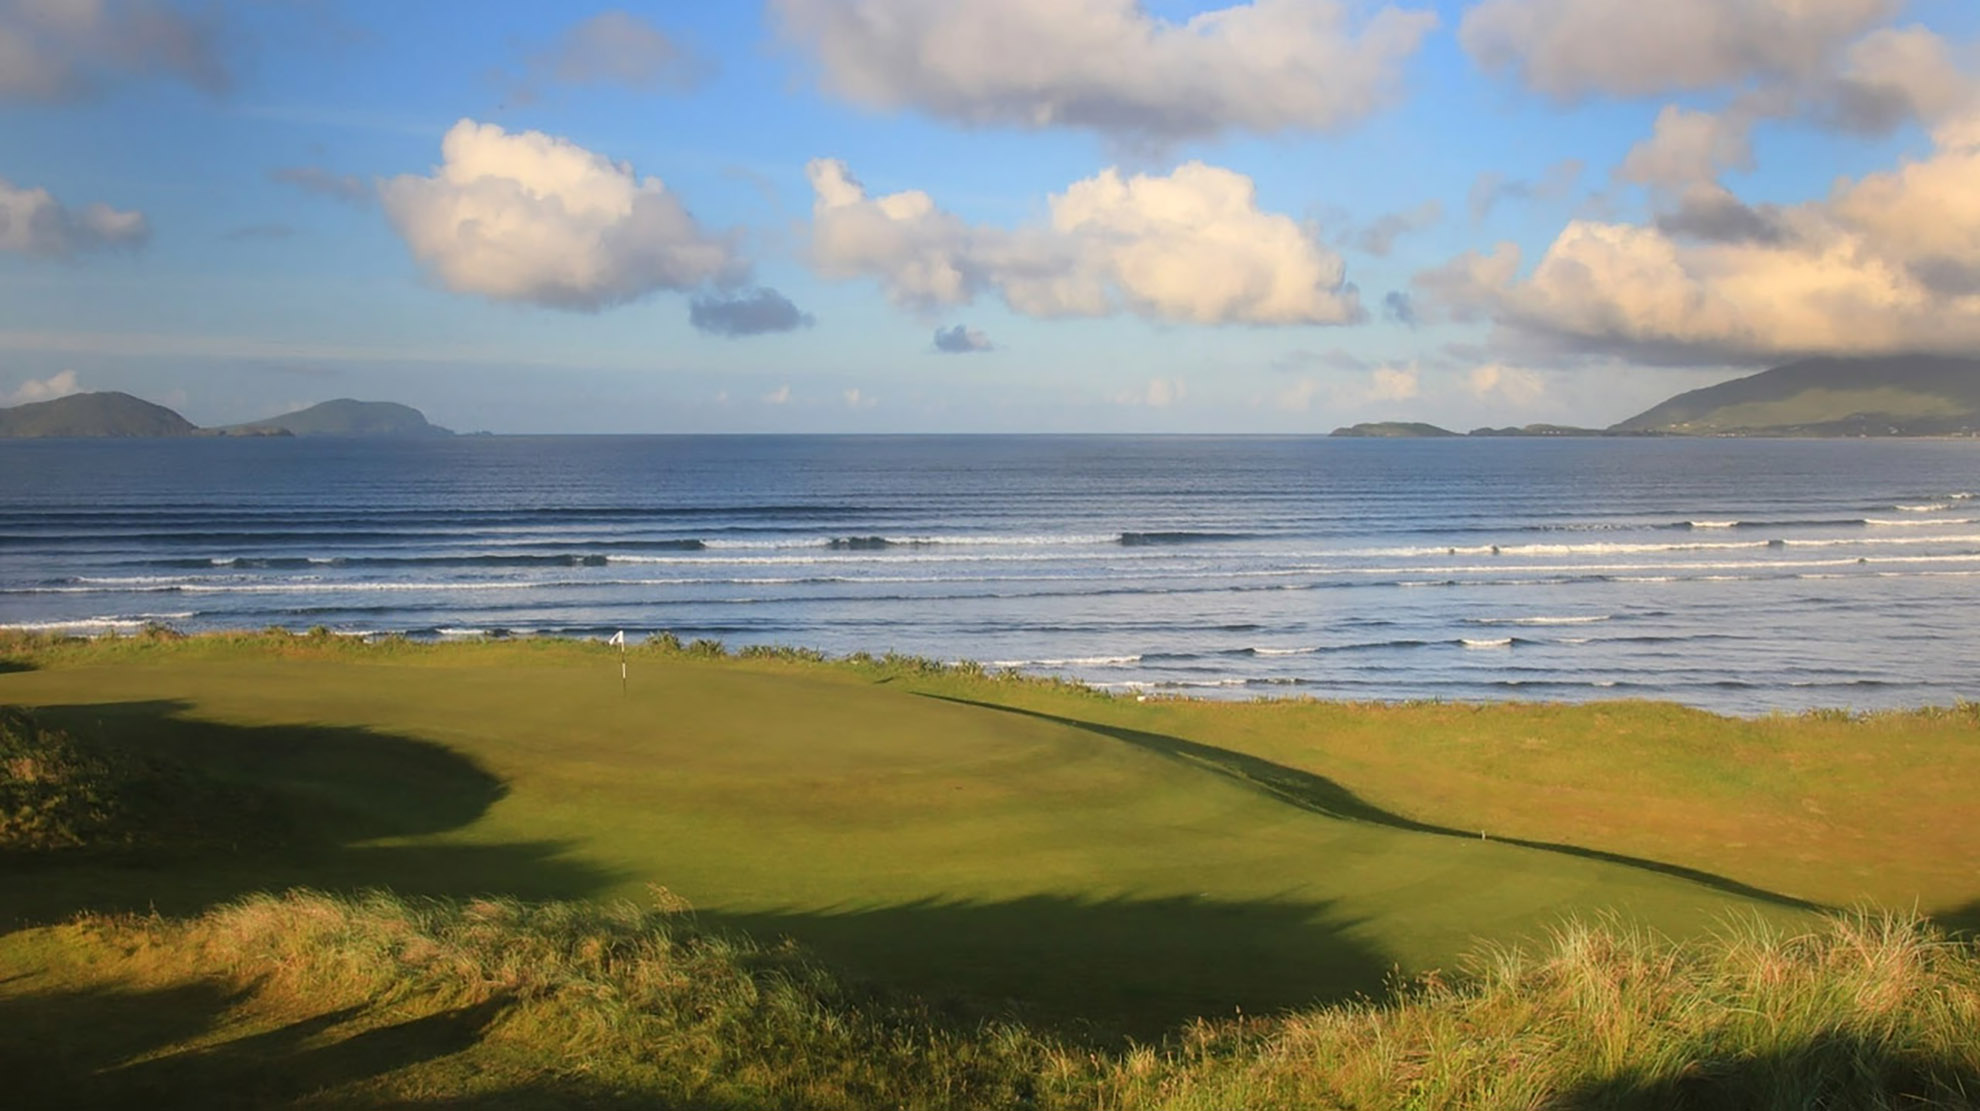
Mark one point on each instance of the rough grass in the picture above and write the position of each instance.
(585, 1004)
(64, 794)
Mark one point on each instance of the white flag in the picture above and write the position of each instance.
(618, 638)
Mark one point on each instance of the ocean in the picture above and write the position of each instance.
(1742, 576)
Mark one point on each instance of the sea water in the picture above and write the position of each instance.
(1736, 575)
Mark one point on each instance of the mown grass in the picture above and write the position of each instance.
(375, 1000)
(1006, 876)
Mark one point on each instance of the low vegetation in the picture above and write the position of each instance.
(377, 1000)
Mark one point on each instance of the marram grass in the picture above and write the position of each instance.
(577, 1004)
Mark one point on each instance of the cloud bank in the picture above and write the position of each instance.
(54, 51)
(1108, 66)
(1571, 49)
(1889, 263)
(533, 218)
(33, 222)
(1191, 247)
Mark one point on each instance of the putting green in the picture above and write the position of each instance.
(959, 848)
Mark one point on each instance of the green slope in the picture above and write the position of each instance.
(110, 414)
(1916, 395)
(344, 417)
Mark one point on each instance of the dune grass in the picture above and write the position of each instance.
(309, 1000)
(1020, 871)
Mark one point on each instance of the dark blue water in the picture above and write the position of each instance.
(1739, 575)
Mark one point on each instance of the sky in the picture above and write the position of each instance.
(977, 215)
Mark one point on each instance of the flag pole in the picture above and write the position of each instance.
(619, 638)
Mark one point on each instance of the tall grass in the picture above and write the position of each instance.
(1871, 1010)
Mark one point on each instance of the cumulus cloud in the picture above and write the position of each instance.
(52, 50)
(534, 218)
(748, 313)
(1397, 306)
(1885, 264)
(33, 222)
(60, 384)
(611, 48)
(1380, 237)
(857, 400)
(959, 340)
(1192, 246)
(1109, 66)
(1570, 49)
(1687, 147)
(1895, 75)
(348, 188)
(779, 396)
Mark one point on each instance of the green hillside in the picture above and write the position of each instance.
(343, 417)
(93, 414)
(1909, 395)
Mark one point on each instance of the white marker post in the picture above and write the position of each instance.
(619, 638)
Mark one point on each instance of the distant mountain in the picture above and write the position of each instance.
(343, 417)
(1907, 395)
(1394, 430)
(93, 414)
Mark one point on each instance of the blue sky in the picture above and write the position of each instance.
(1271, 217)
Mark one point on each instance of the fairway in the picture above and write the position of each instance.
(1086, 859)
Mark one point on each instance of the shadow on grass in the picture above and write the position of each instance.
(1320, 795)
(1095, 969)
(8, 667)
(1961, 921)
(323, 806)
(1841, 1070)
(125, 1056)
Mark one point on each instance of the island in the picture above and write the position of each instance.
(1394, 430)
(114, 414)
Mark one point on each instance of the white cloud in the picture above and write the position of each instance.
(1109, 66)
(1898, 74)
(1393, 383)
(613, 47)
(1507, 383)
(1156, 393)
(61, 384)
(1568, 49)
(1192, 247)
(33, 222)
(52, 50)
(858, 400)
(1885, 264)
(534, 218)
(1687, 147)
(779, 396)
(1299, 397)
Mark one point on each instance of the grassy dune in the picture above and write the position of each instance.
(1083, 865)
